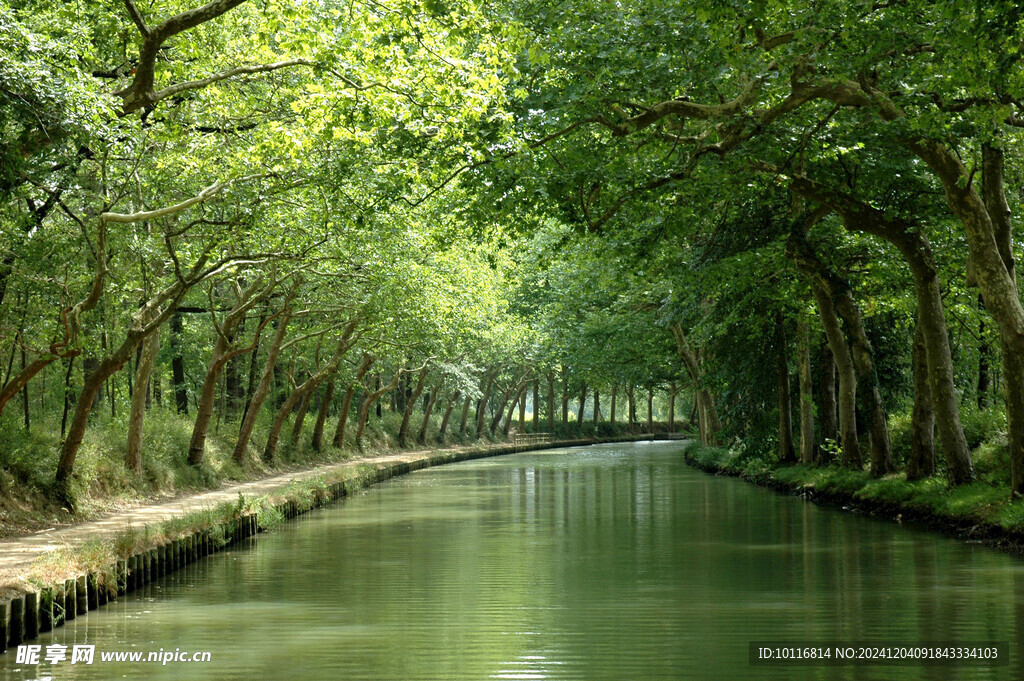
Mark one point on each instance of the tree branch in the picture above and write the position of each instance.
(224, 75)
(205, 194)
(137, 19)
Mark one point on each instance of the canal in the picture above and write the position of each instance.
(611, 562)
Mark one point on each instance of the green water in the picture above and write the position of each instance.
(614, 562)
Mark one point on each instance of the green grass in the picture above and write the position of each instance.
(985, 502)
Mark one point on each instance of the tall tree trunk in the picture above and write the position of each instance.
(207, 398)
(914, 246)
(520, 393)
(346, 403)
(597, 410)
(828, 285)
(565, 402)
(222, 354)
(941, 378)
(522, 413)
(233, 389)
(650, 410)
(263, 387)
(582, 407)
(178, 365)
(535, 418)
(300, 417)
(847, 377)
(808, 447)
(146, 321)
(611, 408)
(410, 405)
(368, 400)
(786, 451)
(672, 407)
(250, 389)
(481, 409)
(922, 424)
(427, 411)
(827, 401)
(983, 358)
(551, 401)
(506, 396)
(321, 416)
(380, 407)
(447, 415)
(867, 379)
(24, 390)
(301, 393)
(707, 416)
(105, 368)
(136, 418)
(988, 226)
(67, 397)
(465, 416)
(630, 409)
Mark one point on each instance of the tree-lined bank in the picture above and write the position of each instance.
(243, 233)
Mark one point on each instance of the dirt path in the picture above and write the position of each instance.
(17, 553)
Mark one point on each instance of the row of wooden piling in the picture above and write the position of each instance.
(25, 617)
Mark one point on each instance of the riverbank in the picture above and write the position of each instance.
(51, 576)
(980, 511)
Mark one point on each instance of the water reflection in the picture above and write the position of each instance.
(610, 562)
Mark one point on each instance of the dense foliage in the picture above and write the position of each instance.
(789, 223)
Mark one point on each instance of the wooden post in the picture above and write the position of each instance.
(81, 596)
(122, 577)
(3, 627)
(92, 591)
(133, 573)
(102, 590)
(59, 612)
(45, 610)
(70, 596)
(31, 615)
(16, 628)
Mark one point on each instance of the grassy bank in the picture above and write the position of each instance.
(99, 556)
(103, 484)
(980, 510)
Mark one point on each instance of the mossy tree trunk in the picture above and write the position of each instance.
(922, 422)
(787, 453)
